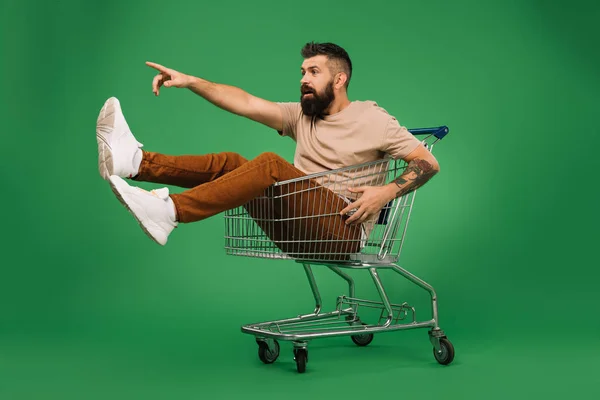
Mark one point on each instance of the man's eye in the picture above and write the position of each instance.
(314, 72)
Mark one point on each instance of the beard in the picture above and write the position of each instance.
(316, 104)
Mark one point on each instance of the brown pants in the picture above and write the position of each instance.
(224, 181)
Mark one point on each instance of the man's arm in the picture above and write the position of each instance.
(229, 98)
(421, 167)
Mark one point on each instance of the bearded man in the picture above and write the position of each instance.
(330, 132)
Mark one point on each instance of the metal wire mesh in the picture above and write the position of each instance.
(299, 219)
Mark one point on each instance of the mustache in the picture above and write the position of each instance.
(306, 89)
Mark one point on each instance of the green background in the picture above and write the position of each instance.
(506, 233)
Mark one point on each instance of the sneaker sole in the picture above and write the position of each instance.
(105, 158)
(124, 202)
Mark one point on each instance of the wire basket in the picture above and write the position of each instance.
(300, 218)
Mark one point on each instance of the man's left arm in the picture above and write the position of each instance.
(421, 167)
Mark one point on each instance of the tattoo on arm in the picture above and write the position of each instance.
(416, 174)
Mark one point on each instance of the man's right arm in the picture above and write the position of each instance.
(239, 102)
(229, 98)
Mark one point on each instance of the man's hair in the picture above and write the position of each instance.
(338, 58)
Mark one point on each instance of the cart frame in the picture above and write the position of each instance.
(381, 250)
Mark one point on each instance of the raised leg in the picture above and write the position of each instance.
(187, 170)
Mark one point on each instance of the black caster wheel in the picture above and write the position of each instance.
(363, 339)
(266, 354)
(301, 357)
(446, 353)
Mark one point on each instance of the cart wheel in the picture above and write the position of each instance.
(446, 353)
(362, 340)
(267, 355)
(301, 357)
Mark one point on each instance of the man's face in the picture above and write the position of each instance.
(316, 86)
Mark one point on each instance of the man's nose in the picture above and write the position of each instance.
(304, 79)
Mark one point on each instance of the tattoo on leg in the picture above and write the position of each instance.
(415, 175)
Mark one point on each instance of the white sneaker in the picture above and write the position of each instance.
(154, 211)
(119, 153)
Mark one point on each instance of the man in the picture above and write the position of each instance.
(330, 130)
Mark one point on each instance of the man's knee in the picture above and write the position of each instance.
(269, 156)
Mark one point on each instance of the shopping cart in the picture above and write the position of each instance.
(299, 220)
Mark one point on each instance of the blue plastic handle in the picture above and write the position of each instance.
(439, 132)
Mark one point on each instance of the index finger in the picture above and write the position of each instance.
(353, 219)
(350, 207)
(157, 66)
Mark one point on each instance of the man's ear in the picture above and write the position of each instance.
(340, 79)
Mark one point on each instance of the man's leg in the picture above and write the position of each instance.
(120, 156)
(156, 210)
(233, 189)
(302, 218)
(119, 153)
(186, 171)
(239, 187)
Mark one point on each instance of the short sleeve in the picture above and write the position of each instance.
(398, 142)
(291, 113)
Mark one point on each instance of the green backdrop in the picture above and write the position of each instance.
(90, 308)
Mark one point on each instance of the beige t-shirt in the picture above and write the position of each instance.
(360, 133)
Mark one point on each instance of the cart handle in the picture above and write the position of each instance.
(439, 132)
